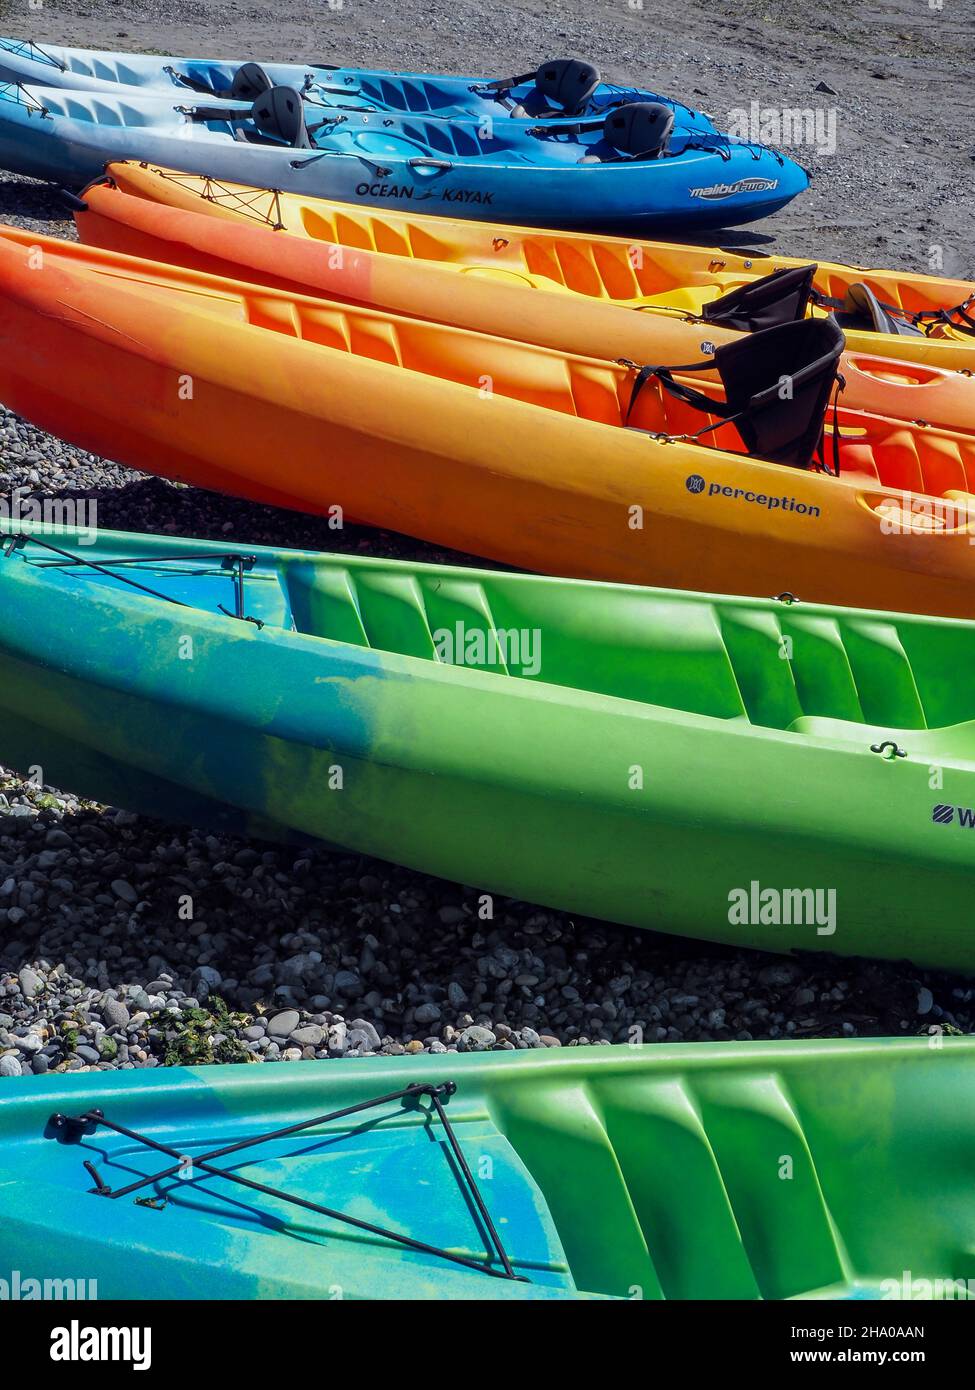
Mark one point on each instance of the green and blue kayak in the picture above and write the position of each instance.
(757, 772)
(701, 1171)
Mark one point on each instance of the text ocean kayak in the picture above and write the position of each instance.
(536, 175)
(744, 771)
(544, 460)
(561, 88)
(615, 1172)
(404, 260)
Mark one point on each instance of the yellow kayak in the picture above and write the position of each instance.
(917, 318)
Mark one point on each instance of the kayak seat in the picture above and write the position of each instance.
(566, 84)
(863, 310)
(250, 82)
(562, 87)
(639, 130)
(781, 297)
(776, 424)
(279, 114)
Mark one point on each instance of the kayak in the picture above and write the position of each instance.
(456, 271)
(748, 771)
(648, 1172)
(626, 171)
(556, 89)
(553, 462)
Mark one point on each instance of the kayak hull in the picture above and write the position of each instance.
(616, 1172)
(477, 277)
(68, 137)
(648, 758)
(481, 444)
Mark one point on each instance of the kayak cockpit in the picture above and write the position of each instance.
(395, 1191)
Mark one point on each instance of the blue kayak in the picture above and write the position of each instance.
(630, 171)
(558, 88)
(555, 1174)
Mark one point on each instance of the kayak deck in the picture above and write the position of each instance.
(775, 665)
(652, 274)
(872, 449)
(700, 1171)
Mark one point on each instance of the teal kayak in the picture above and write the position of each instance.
(565, 89)
(758, 772)
(702, 1171)
(627, 171)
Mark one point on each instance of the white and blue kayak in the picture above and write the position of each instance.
(628, 171)
(559, 88)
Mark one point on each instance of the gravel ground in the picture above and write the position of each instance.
(309, 953)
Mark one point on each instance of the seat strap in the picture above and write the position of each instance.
(678, 389)
(834, 472)
(918, 319)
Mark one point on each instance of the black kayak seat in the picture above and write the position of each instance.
(636, 130)
(777, 385)
(567, 84)
(561, 87)
(781, 297)
(249, 82)
(778, 425)
(862, 309)
(279, 114)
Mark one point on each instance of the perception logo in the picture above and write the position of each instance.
(696, 484)
(945, 815)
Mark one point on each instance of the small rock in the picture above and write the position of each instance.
(362, 1025)
(115, 1014)
(781, 973)
(282, 1025)
(309, 1036)
(124, 891)
(30, 982)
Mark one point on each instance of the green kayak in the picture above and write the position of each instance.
(701, 1171)
(749, 771)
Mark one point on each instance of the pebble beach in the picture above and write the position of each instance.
(127, 943)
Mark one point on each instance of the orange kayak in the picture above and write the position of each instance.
(475, 276)
(550, 461)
